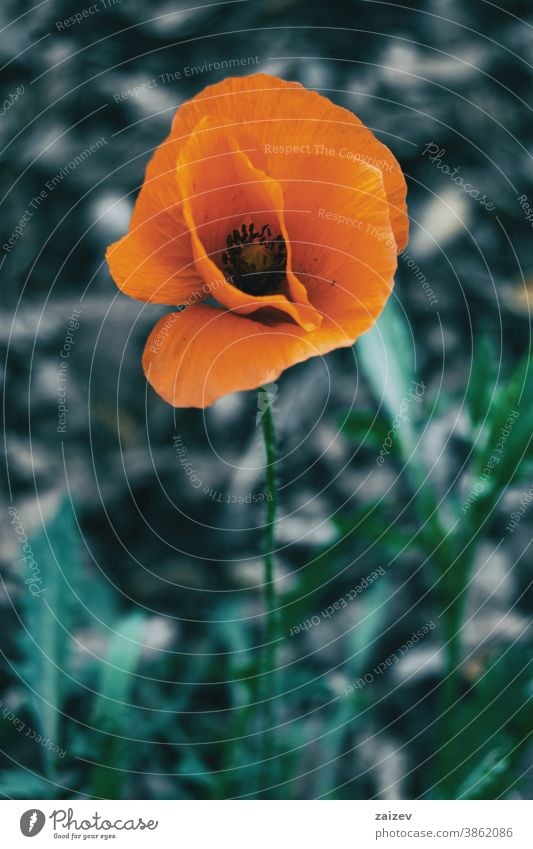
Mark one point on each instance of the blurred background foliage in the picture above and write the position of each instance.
(141, 661)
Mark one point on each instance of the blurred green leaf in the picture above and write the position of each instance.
(111, 714)
(117, 675)
(481, 384)
(50, 611)
(519, 445)
(372, 609)
(484, 775)
(305, 597)
(22, 784)
(495, 722)
(507, 445)
(385, 354)
(361, 640)
(366, 427)
(371, 525)
(193, 769)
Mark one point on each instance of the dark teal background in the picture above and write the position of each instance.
(143, 666)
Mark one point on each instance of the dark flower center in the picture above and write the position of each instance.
(255, 262)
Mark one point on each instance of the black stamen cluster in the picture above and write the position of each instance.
(264, 274)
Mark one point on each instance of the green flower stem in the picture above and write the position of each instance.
(454, 571)
(453, 590)
(271, 630)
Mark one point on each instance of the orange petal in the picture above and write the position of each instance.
(154, 261)
(222, 190)
(344, 242)
(194, 357)
(283, 115)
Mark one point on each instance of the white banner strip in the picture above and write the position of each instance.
(264, 825)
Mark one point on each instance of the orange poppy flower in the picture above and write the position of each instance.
(273, 219)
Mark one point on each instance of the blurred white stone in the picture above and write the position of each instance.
(112, 214)
(418, 663)
(442, 217)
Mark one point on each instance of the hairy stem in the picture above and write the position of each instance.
(271, 630)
